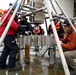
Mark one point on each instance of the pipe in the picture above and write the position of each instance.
(32, 16)
(53, 6)
(8, 13)
(22, 3)
(56, 15)
(27, 6)
(9, 23)
(28, 1)
(46, 26)
(32, 8)
(66, 70)
(25, 10)
(34, 11)
(65, 16)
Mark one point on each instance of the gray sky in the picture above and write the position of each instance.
(4, 4)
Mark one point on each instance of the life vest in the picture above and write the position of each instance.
(75, 25)
(36, 30)
(57, 25)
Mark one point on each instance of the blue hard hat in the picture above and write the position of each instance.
(15, 6)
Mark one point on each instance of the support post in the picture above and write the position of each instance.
(65, 67)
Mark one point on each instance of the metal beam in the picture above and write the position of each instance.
(27, 6)
(65, 15)
(8, 13)
(65, 67)
(53, 6)
(9, 23)
(35, 11)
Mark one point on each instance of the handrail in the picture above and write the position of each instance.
(9, 23)
(66, 70)
(8, 13)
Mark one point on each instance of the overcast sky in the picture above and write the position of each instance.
(4, 4)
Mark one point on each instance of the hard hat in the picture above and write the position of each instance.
(66, 22)
(10, 4)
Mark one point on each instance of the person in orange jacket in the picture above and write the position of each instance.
(37, 30)
(75, 25)
(69, 45)
(59, 28)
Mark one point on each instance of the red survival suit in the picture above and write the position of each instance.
(13, 27)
